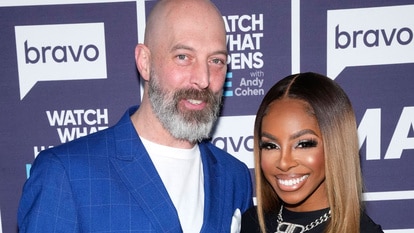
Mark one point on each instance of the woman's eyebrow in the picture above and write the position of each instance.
(301, 133)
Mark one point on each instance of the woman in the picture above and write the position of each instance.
(308, 176)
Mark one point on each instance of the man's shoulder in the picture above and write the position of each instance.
(221, 155)
(97, 142)
(88, 144)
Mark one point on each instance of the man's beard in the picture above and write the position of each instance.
(184, 124)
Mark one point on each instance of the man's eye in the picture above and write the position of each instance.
(307, 143)
(268, 146)
(217, 61)
(181, 57)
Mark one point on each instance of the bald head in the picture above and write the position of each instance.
(183, 62)
(168, 15)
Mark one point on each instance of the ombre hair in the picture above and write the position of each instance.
(336, 119)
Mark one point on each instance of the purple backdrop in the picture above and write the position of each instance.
(365, 46)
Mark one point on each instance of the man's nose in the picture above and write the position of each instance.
(201, 75)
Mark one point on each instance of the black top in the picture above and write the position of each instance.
(250, 223)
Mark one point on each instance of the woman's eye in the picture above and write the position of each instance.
(268, 146)
(307, 143)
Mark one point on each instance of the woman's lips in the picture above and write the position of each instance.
(291, 183)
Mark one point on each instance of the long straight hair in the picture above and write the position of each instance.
(336, 119)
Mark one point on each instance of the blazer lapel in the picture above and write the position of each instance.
(213, 191)
(137, 171)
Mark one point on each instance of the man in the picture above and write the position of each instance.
(152, 171)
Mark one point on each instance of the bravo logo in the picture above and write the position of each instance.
(369, 36)
(236, 140)
(59, 52)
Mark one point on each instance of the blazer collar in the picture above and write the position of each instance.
(213, 190)
(138, 173)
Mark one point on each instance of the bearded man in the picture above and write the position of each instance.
(153, 171)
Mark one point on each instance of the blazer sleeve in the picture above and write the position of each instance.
(47, 203)
(249, 188)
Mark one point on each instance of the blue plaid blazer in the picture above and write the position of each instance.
(106, 182)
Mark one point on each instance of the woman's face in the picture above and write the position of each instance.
(292, 155)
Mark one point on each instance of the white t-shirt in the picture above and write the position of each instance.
(181, 171)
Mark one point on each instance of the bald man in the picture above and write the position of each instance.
(152, 171)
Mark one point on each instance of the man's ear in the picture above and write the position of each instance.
(142, 60)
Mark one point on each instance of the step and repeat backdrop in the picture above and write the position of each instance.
(67, 70)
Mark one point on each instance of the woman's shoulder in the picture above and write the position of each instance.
(368, 225)
(250, 215)
(250, 222)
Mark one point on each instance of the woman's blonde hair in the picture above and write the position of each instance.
(336, 119)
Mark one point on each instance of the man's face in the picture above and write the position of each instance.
(188, 68)
(184, 123)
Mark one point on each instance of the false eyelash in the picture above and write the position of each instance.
(267, 145)
(307, 143)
